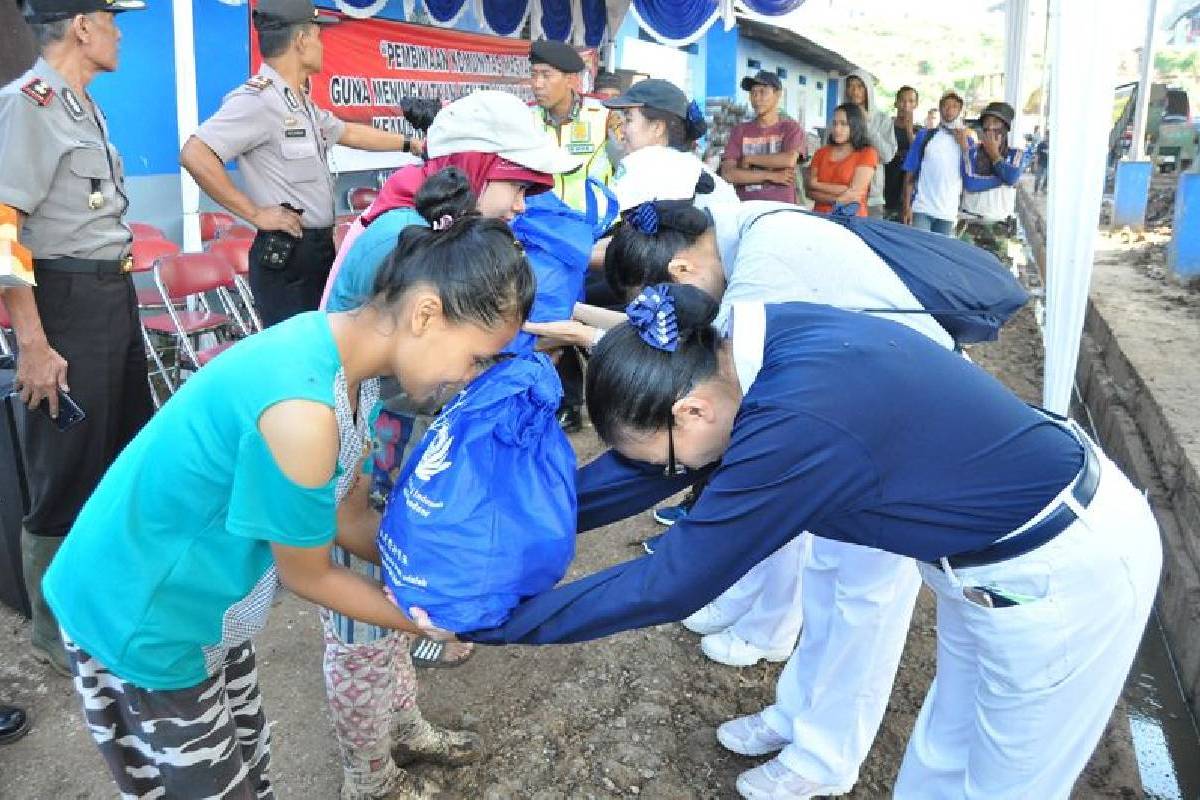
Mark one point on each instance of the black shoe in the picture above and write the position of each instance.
(570, 418)
(14, 723)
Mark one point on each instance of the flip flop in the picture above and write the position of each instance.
(428, 654)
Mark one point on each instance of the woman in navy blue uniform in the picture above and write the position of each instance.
(1043, 557)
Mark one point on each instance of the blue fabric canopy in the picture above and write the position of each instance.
(504, 17)
(446, 11)
(772, 8)
(676, 22)
(595, 18)
(556, 19)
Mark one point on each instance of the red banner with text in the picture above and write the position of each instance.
(370, 64)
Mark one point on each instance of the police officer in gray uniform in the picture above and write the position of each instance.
(280, 140)
(78, 328)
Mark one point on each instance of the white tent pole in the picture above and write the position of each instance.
(1016, 24)
(1082, 77)
(186, 117)
(1137, 150)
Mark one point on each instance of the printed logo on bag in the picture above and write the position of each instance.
(436, 459)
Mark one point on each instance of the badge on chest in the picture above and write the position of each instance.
(580, 141)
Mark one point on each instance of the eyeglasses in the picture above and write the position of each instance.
(672, 469)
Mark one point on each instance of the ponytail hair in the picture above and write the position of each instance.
(478, 269)
(635, 258)
(632, 385)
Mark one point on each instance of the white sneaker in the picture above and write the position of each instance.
(709, 619)
(774, 781)
(727, 647)
(750, 736)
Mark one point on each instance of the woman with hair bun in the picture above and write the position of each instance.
(1043, 557)
(242, 483)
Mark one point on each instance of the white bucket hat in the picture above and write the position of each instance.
(489, 121)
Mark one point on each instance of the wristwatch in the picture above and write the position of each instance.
(407, 148)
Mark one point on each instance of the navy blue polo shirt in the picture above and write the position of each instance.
(856, 428)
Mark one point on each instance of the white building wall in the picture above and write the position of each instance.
(802, 101)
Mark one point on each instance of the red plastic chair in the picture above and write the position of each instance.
(142, 231)
(185, 280)
(146, 252)
(239, 232)
(339, 234)
(214, 223)
(237, 253)
(361, 197)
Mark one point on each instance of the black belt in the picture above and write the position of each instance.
(1054, 523)
(85, 266)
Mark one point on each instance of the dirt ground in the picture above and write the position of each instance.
(633, 715)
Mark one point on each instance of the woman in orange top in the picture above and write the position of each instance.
(840, 172)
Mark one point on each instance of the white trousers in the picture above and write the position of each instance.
(832, 695)
(766, 602)
(1022, 694)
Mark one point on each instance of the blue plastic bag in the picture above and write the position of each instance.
(558, 242)
(483, 513)
(965, 288)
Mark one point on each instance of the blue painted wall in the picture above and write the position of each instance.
(721, 68)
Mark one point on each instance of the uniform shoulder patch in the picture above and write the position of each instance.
(38, 92)
(258, 82)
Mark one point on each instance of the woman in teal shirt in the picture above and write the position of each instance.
(233, 488)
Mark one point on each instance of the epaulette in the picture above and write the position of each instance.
(38, 92)
(258, 82)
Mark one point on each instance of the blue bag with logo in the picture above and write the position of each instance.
(558, 242)
(483, 513)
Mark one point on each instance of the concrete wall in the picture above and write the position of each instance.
(1144, 427)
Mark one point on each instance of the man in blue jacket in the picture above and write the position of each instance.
(990, 171)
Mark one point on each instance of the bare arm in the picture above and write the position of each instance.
(855, 192)
(368, 137)
(358, 523)
(308, 572)
(785, 160)
(596, 260)
(598, 317)
(906, 214)
(302, 436)
(41, 371)
(738, 176)
(208, 170)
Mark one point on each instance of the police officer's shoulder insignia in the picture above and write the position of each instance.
(258, 82)
(74, 107)
(38, 92)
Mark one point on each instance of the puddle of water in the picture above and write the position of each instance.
(1165, 738)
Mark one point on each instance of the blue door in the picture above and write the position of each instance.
(831, 99)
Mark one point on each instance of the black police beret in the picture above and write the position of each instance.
(559, 55)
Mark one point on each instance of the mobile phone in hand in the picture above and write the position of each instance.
(69, 412)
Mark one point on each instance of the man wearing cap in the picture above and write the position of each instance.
(280, 139)
(78, 328)
(760, 158)
(990, 173)
(577, 124)
(932, 170)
